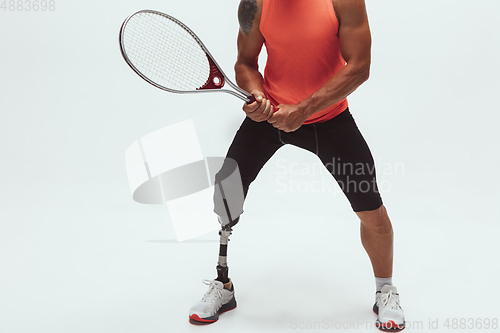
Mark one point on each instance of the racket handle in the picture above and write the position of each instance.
(251, 99)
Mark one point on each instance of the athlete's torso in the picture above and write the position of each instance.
(302, 42)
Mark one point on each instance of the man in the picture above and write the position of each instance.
(318, 54)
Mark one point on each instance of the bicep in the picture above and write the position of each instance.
(249, 47)
(354, 32)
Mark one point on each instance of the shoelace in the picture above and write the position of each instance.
(389, 300)
(212, 293)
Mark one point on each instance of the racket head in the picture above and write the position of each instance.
(167, 54)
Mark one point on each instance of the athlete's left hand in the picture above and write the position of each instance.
(288, 118)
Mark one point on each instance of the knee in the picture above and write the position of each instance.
(377, 219)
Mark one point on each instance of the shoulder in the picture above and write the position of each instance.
(249, 13)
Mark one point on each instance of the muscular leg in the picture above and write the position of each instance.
(377, 239)
(344, 152)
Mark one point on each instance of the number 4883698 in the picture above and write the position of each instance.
(28, 5)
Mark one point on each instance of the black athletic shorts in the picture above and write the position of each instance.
(337, 142)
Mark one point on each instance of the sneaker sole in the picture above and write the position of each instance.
(389, 326)
(195, 319)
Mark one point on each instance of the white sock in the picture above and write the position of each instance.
(380, 282)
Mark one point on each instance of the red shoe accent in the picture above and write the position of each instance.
(197, 318)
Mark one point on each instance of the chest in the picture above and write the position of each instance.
(299, 22)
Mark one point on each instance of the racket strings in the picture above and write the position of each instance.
(165, 52)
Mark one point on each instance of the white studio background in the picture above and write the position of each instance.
(77, 254)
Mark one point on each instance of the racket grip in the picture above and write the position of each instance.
(252, 99)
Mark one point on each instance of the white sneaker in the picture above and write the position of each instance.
(390, 315)
(217, 300)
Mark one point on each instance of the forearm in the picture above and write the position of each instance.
(248, 77)
(341, 85)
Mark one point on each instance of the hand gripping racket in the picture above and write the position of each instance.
(167, 54)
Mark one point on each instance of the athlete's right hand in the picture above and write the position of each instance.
(261, 109)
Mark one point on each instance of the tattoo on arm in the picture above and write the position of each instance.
(246, 15)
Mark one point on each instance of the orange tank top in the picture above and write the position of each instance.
(303, 51)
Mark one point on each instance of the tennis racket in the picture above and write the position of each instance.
(167, 54)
